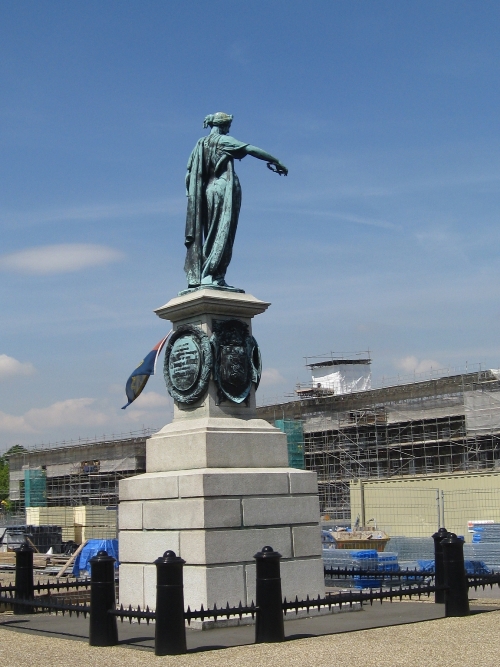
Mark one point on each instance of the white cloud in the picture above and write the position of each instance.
(151, 399)
(150, 406)
(71, 412)
(271, 376)
(61, 258)
(411, 364)
(14, 424)
(10, 367)
(83, 414)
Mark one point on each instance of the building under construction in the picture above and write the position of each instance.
(419, 431)
(84, 473)
(449, 423)
(75, 485)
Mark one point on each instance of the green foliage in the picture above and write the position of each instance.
(4, 474)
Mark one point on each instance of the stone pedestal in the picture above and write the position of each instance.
(217, 489)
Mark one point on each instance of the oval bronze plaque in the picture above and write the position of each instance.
(188, 364)
(184, 363)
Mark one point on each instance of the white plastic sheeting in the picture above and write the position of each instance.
(482, 411)
(342, 378)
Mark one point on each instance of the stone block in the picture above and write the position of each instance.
(233, 482)
(130, 516)
(131, 585)
(303, 481)
(202, 585)
(280, 510)
(145, 546)
(232, 546)
(198, 304)
(209, 405)
(150, 586)
(306, 541)
(192, 513)
(216, 443)
(184, 455)
(148, 486)
(299, 578)
(213, 585)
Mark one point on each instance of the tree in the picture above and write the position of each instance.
(4, 473)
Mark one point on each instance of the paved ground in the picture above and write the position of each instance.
(369, 638)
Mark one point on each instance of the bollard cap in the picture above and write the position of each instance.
(267, 552)
(101, 557)
(451, 538)
(441, 534)
(24, 548)
(169, 558)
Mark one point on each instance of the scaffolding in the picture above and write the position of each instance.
(77, 486)
(440, 425)
(84, 473)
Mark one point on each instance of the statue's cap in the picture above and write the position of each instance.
(219, 118)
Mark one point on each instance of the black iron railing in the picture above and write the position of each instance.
(372, 573)
(450, 586)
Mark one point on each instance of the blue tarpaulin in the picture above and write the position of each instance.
(92, 547)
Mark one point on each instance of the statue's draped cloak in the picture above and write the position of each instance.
(214, 201)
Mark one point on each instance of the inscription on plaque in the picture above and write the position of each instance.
(184, 363)
(188, 364)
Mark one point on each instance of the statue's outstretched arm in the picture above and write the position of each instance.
(263, 155)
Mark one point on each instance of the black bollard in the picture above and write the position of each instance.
(24, 579)
(103, 630)
(456, 599)
(170, 630)
(438, 564)
(269, 626)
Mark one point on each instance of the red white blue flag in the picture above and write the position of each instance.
(139, 378)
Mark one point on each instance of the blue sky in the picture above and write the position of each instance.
(384, 236)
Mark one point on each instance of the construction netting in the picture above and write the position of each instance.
(35, 488)
(295, 440)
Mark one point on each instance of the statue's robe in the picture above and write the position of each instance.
(214, 201)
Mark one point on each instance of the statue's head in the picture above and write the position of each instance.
(220, 120)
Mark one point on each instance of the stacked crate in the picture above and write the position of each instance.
(78, 524)
(94, 522)
(53, 516)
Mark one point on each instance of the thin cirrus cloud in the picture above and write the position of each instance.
(93, 212)
(60, 258)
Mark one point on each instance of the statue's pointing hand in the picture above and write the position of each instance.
(278, 168)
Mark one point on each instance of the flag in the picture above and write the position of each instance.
(139, 378)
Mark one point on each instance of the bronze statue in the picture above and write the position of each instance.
(214, 201)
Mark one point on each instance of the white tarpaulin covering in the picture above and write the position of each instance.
(482, 411)
(342, 378)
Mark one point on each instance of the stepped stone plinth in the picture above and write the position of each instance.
(218, 487)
